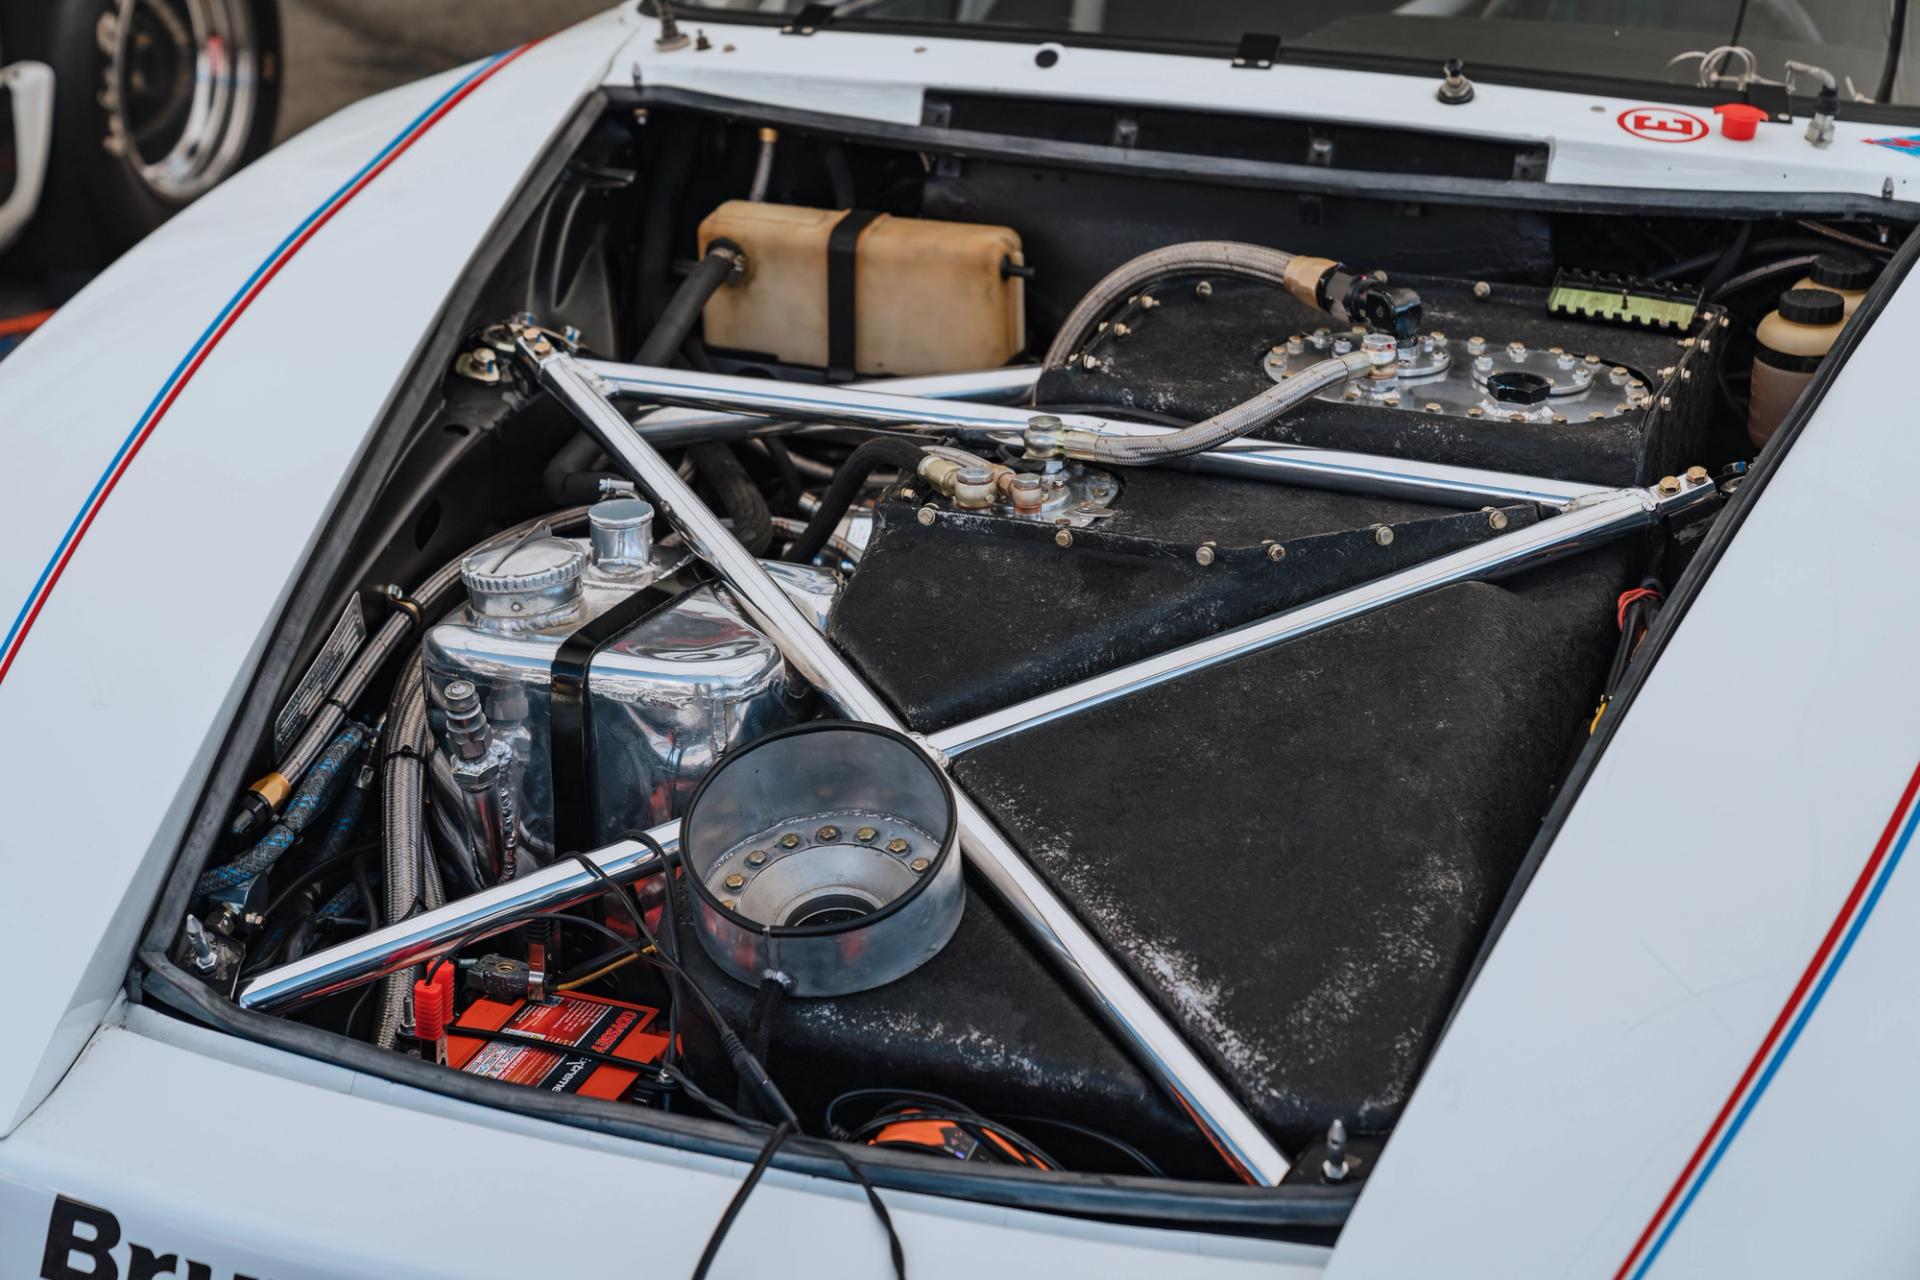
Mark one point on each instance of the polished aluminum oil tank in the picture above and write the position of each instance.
(690, 680)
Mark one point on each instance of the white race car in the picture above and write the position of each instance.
(1008, 637)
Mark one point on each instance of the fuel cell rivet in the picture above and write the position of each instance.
(1383, 535)
(1204, 554)
(865, 834)
(927, 515)
(1276, 552)
(789, 841)
(735, 881)
(897, 845)
(919, 866)
(1203, 290)
(756, 857)
(827, 834)
(1496, 520)
(1481, 289)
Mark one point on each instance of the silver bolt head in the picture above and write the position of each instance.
(1383, 534)
(927, 515)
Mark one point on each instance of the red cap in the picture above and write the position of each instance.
(1738, 120)
(433, 1004)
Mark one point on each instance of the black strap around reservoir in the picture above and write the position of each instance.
(843, 253)
(576, 807)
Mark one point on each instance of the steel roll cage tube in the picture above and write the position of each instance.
(426, 937)
(1590, 524)
(674, 426)
(1130, 1015)
(877, 405)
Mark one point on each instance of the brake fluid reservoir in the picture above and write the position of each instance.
(677, 679)
(1841, 273)
(1791, 342)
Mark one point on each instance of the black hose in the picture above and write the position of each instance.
(654, 268)
(569, 479)
(840, 174)
(883, 451)
(1701, 261)
(739, 496)
(1728, 260)
(791, 486)
(1759, 275)
(682, 312)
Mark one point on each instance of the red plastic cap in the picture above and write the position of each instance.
(1739, 119)
(433, 1004)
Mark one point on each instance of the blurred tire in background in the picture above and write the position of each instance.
(155, 103)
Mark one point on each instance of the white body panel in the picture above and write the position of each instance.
(1634, 984)
(884, 77)
(261, 440)
(180, 1147)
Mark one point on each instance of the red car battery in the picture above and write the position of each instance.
(573, 1022)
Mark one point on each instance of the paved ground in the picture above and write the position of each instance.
(337, 51)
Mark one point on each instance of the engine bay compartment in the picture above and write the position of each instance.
(1055, 671)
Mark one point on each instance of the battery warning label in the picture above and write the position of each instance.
(572, 1023)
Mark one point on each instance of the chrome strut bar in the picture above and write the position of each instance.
(1610, 515)
(426, 937)
(929, 407)
(1131, 1015)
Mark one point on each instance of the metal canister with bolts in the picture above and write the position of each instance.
(826, 854)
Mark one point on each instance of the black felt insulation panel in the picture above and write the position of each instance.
(976, 612)
(982, 1022)
(1297, 853)
(1193, 357)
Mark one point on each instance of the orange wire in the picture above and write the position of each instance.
(13, 326)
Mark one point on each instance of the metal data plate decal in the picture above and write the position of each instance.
(342, 643)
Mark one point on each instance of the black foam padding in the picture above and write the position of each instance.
(1193, 357)
(1298, 853)
(983, 1022)
(976, 612)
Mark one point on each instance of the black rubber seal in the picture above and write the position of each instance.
(576, 801)
(843, 257)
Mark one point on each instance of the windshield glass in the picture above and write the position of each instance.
(1633, 40)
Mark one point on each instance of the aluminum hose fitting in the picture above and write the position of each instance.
(482, 768)
(973, 483)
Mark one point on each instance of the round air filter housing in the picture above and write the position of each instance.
(827, 853)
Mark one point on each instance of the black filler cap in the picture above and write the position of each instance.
(1516, 386)
(1842, 271)
(1812, 306)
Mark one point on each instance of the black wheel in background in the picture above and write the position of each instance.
(155, 102)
